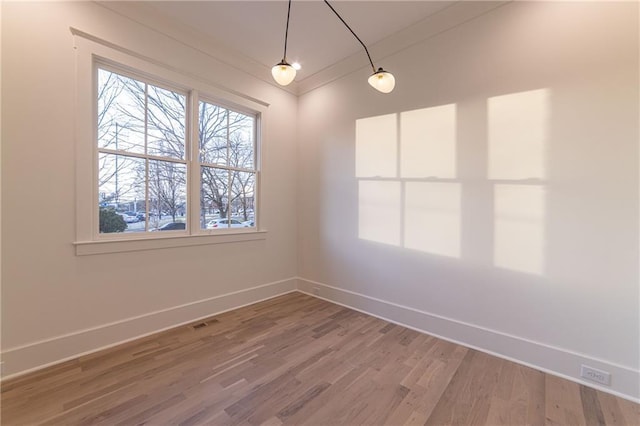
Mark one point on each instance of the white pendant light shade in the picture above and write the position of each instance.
(283, 73)
(382, 81)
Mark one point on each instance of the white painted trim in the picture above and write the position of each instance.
(560, 362)
(151, 19)
(432, 25)
(34, 356)
(212, 87)
(84, 248)
(550, 359)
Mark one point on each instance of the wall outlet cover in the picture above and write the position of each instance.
(595, 375)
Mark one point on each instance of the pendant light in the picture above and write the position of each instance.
(283, 73)
(380, 80)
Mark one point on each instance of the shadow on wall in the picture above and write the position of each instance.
(414, 178)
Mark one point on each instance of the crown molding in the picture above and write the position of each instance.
(150, 18)
(439, 22)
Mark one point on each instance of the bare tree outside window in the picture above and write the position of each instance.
(227, 154)
(139, 125)
(142, 157)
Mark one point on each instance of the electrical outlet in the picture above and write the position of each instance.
(316, 291)
(595, 375)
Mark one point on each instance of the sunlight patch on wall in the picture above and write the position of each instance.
(410, 194)
(518, 125)
(519, 217)
(432, 217)
(377, 146)
(379, 215)
(428, 142)
(415, 205)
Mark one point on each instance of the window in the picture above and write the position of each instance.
(144, 166)
(163, 149)
(227, 173)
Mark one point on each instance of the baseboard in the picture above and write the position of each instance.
(37, 355)
(625, 381)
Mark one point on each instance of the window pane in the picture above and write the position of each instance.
(214, 190)
(120, 112)
(243, 188)
(212, 125)
(121, 192)
(166, 118)
(167, 194)
(241, 140)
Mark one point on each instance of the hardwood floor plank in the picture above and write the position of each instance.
(614, 414)
(299, 403)
(563, 402)
(298, 360)
(532, 386)
(454, 405)
(591, 406)
(630, 410)
(326, 399)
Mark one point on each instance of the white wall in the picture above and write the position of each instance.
(511, 224)
(56, 304)
(547, 275)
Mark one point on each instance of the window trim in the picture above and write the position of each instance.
(92, 53)
(197, 164)
(87, 248)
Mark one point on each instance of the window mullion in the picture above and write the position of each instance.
(228, 172)
(229, 180)
(194, 201)
(146, 161)
(223, 167)
(142, 156)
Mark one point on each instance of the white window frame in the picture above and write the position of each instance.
(92, 53)
(197, 164)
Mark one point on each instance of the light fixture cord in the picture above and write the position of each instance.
(354, 34)
(286, 33)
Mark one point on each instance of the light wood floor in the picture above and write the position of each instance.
(299, 360)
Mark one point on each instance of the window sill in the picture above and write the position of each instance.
(87, 248)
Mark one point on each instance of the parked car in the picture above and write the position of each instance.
(249, 223)
(225, 223)
(142, 216)
(128, 217)
(173, 226)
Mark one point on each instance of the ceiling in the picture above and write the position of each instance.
(249, 35)
(317, 38)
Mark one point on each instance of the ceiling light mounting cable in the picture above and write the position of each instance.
(286, 33)
(354, 34)
(283, 73)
